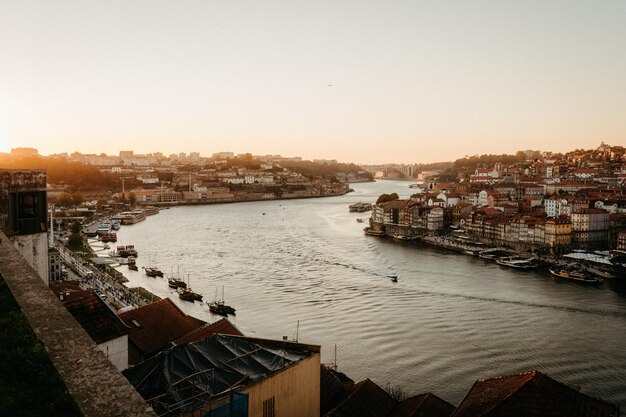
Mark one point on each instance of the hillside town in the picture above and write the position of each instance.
(545, 204)
(173, 364)
(191, 179)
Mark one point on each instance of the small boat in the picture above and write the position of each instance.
(575, 275)
(402, 238)
(115, 225)
(393, 278)
(370, 232)
(133, 267)
(517, 263)
(187, 294)
(152, 272)
(126, 251)
(219, 306)
(176, 283)
(108, 237)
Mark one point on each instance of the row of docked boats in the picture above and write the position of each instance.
(503, 257)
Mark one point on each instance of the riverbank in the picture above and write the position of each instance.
(463, 244)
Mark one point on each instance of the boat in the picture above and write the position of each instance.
(108, 237)
(393, 278)
(576, 275)
(371, 232)
(152, 272)
(126, 251)
(133, 267)
(176, 283)
(115, 225)
(219, 306)
(187, 294)
(130, 217)
(360, 207)
(402, 237)
(103, 228)
(517, 262)
(493, 254)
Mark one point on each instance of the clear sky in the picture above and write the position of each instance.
(360, 81)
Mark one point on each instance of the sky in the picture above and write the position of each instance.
(357, 81)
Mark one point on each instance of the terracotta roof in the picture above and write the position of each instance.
(366, 400)
(531, 394)
(334, 388)
(156, 325)
(425, 405)
(91, 312)
(222, 326)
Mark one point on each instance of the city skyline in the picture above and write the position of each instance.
(365, 83)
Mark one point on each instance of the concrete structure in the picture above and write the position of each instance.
(94, 383)
(23, 215)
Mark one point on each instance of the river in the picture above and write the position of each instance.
(449, 320)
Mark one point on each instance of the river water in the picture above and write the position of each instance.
(449, 320)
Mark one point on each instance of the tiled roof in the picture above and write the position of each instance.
(334, 388)
(366, 400)
(425, 405)
(91, 312)
(531, 394)
(157, 324)
(222, 326)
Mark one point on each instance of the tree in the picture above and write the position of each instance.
(387, 197)
(132, 199)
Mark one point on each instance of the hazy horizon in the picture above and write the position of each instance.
(363, 82)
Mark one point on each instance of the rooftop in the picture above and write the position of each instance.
(158, 324)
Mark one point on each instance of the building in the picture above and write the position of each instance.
(247, 377)
(155, 327)
(531, 394)
(23, 215)
(558, 234)
(98, 320)
(55, 270)
(590, 227)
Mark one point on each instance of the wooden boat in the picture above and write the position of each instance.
(153, 272)
(517, 263)
(219, 306)
(393, 278)
(368, 231)
(176, 283)
(133, 267)
(187, 294)
(579, 276)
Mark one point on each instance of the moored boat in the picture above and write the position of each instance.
(580, 276)
(517, 263)
(153, 272)
(219, 306)
(370, 232)
(174, 282)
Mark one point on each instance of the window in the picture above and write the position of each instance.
(27, 212)
(268, 408)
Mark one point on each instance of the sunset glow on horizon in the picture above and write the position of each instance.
(363, 82)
